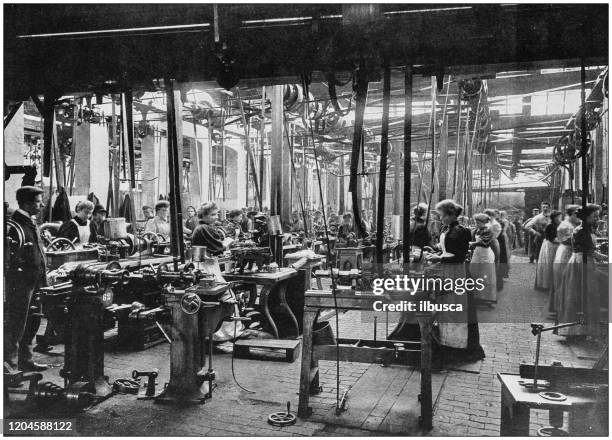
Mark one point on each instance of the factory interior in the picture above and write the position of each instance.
(201, 202)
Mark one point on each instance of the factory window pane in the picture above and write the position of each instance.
(538, 104)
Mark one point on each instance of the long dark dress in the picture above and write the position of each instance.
(582, 296)
(458, 335)
(462, 338)
(209, 236)
(503, 255)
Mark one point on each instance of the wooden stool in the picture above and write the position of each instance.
(242, 347)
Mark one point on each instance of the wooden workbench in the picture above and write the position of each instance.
(517, 401)
(270, 282)
(317, 300)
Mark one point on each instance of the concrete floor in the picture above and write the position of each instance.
(468, 402)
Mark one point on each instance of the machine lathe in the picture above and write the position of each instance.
(192, 300)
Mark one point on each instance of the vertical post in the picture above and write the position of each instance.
(250, 157)
(458, 149)
(407, 160)
(128, 136)
(48, 114)
(128, 129)
(434, 123)
(223, 159)
(397, 184)
(585, 182)
(115, 157)
(360, 104)
(341, 186)
(262, 131)
(426, 398)
(173, 97)
(280, 204)
(384, 149)
(443, 146)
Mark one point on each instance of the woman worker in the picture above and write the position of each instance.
(459, 336)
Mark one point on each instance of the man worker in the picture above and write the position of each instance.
(97, 219)
(25, 274)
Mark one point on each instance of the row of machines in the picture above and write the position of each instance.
(192, 304)
(133, 283)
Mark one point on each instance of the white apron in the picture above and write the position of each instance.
(84, 232)
(453, 334)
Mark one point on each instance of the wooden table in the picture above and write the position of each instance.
(313, 262)
(270, 282)
(317, 300)
(517, 401)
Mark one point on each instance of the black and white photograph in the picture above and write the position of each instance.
(306, 219)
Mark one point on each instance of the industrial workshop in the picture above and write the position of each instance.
(305, 219)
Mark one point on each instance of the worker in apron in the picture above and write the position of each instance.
(79, 229)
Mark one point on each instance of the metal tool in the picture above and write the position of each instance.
(537, 330)
(126, 386)
(282, 418)
(151, 380)
(341, 407)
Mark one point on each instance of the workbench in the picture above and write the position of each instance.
(516, 402)
(420, 355)
(314, 261)
(275, 282)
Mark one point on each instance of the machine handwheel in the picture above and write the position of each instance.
(191, 303)
(282, 418)
(150, 236)
(15, 232)
(60, 244)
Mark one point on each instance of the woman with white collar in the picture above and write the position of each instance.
(79, 229)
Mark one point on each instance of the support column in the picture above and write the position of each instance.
(341, 191)
(13, 155)
(443, 168)
(175, 136)
(407, 160)
(91, 160)
(382, 183)
(280, 203)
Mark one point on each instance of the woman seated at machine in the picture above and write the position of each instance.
(160, 224)
(207, 233)
(79, 230)
(233, 227)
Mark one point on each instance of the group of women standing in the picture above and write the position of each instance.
(574, 287)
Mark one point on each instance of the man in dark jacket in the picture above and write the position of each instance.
(25, 274)
(97, 220)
